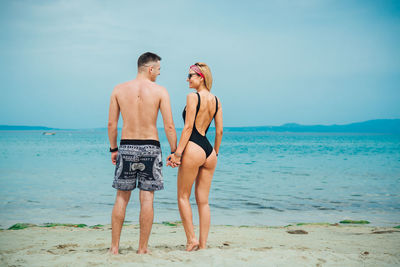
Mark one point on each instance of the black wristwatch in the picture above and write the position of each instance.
(113, 149)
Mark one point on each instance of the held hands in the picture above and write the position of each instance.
(173, 160)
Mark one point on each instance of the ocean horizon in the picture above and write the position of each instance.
(369, 126)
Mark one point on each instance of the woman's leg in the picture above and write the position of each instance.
(202, 190)
(187, 173)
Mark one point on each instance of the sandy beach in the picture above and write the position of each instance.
(298, 245)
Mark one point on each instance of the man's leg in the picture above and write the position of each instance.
(146, 219)
(117, 218)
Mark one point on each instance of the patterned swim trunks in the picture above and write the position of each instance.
(141, 161)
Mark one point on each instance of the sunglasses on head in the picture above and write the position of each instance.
(191, 74)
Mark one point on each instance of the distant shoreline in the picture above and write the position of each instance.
(370, 126)
(25, 128)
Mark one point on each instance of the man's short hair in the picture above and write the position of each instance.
(146, 58)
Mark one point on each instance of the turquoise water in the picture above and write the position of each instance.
(262, 178)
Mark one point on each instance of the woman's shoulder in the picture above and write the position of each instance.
(214, 96)
(191, 98)
(218, 102)
(192, 95)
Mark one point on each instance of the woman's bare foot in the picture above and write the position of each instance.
(192, 246)
(202, 247)
(113, 251)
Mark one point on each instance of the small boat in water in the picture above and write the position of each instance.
(49, 133)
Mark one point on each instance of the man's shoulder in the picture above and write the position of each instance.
(158, 87)
(160, 90)
(145, 84)
(124, 85)
(121, 87)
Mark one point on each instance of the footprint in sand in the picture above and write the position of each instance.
(297, 232)
(63, 249)
(385, 232)
(62, 246)
(170, 248)
(261, 249)
(320, 261)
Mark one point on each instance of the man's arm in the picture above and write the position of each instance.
(169, 127)
(113, 116)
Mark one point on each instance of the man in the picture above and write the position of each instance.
(138, 159)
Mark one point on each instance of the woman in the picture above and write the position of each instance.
(196, 156)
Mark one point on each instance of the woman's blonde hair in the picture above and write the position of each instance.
(207, 74)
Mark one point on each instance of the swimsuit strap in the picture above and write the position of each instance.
(216, 106)
(198, 104)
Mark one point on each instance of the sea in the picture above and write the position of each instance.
(262, 178)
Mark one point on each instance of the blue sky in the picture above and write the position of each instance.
(273, 62)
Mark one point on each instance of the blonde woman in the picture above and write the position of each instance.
(195, 156)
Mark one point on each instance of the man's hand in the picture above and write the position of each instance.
(114, 157)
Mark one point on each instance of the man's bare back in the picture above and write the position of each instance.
(139, 102)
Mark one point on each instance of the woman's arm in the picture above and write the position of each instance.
(191, 104)
(218, 128)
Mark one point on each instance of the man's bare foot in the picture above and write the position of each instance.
(143, 251)
(192, 246)
(113, 251)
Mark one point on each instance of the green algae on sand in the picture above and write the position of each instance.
(171, 223)
(64, 224)
(19, 226)
(97, 226)
(321, 223)
(354, 222)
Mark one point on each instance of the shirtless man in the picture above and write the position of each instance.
(138, 159)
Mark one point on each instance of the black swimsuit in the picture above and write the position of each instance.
(196, 137)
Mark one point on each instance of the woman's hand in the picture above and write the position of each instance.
(173, 160)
